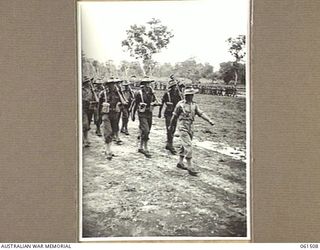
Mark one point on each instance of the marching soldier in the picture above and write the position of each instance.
(109, 110)
(124, 102)
(170, 99)
(87, 98)
(143, 103)
(98, 88)
(185, 111)
(129, 96)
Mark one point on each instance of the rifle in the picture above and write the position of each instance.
(93, 104)
(123, 100)
(94, 93)
(177, 81)
(156, 102)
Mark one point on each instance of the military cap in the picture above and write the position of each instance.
(117, 80)
(171, 83)
(125, 83)
(112, 80)
(108, 80)
(146, 80)
(98, 81)
(181, 84)
(86, 79)
(190, 91)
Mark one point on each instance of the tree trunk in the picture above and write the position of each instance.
(235, 77)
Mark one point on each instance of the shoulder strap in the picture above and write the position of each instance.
(169, 97)
(193, 108)
(141, 94)
(105, 95)
(182, 106)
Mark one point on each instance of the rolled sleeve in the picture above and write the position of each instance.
(199, 112)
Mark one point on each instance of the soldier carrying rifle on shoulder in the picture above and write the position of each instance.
(129, 96)
(87, 100)
(170, 99)
(97, 89)
(144, 102)
(109, 110)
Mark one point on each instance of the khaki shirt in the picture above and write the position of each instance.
(186, 113)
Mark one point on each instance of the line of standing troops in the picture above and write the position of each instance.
(219, 90)
(106, 100)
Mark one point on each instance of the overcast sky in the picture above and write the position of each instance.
(200, 28)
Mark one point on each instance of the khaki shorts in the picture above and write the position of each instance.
(186, 144)
(110, 125)
(85, 121)
(145, 123)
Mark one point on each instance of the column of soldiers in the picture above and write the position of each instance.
(107, 102)
(218, 90)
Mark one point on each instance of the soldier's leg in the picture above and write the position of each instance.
(188, 155)
(107, 133)
(85, 128)
(90, 116)
(97, 121)
(115, 127)
(167, 121)
(149, 124)
(170, 134)
(144, 128)
(125, 120)
(142, 125)
(182, 149)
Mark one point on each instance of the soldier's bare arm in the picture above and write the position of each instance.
(161, 106)
(203, 115)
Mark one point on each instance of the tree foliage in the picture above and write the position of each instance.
(143, 41)
(237, 47)
(227, 70)
(189, 68)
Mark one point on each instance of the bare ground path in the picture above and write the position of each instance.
(135, 196)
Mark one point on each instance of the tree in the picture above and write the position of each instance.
(237, 48)
(95, 64)
(124, 67)
(143, 41)
(189, 69)
(165, 70)
(111, 69)
(227, 70)
(135, 69)
(207, 71)
(149, 66)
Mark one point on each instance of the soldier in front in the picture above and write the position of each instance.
(185, 112)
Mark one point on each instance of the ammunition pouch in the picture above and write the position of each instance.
(105, 108)
(169, 107)
(142, 107)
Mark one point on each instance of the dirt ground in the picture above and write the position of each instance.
(132, 196)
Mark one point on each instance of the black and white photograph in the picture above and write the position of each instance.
(164, 120)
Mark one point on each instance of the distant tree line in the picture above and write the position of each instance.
(189, 68)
